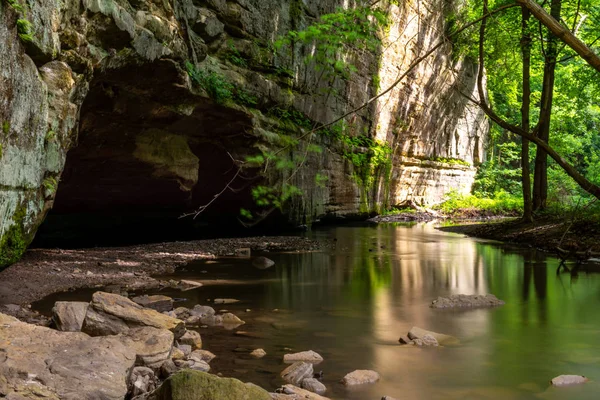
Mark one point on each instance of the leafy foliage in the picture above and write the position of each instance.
(219, 88)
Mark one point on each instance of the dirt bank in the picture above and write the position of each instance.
(45, 271)
(579, 240)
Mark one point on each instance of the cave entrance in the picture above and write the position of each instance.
(148, 151)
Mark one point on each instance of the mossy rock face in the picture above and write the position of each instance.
(196, 385)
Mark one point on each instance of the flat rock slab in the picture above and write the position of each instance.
(68, 316)
(467, 301)
(111, 314)
(197, 385)
(291, 392)
(442, 339)
(71, 365)
(156, 302)
(566, 380)
(306, 356)
(297, 372)
(226, 301)
(360, 377)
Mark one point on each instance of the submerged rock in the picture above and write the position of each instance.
(360, 377)
(262, 263)
(442, 339)
(68, 316)
(258, 353)
(307, 356)
(196, 385)
(156, 302)
(111, 314)
(297, 372)
(565, 380)
(467, 301)
(226, 301)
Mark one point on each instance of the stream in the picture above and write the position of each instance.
(353, 302)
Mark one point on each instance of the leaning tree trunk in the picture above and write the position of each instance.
(540, 179)
(562, 33)
(525, 173)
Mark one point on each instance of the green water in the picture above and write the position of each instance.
(352, 303)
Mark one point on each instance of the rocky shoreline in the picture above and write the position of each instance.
(42, 272)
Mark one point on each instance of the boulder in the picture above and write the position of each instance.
(200, 365)
(467, 301)
(196, 385)
(360, 377)
(152, 346)
(262, 263)
(168, 368)
(66, 365)
(192, 321)
(297, 372)
(186, 349)
(405, 340)
(111, 314)
(182, 312)
(177, 353)
(258, 353)
(426, 340)
(565, 380)
(142, 380)
(68, 316)
(191, 338)
(444, 340)
(313, 385)
(306, 356)
(156, 302)
(207, 25)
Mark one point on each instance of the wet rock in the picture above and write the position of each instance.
(202, 311)
(68, 316)
(232, 320)
(565, 380)
(297, 372)
(306, 356)
(193, 321)
(152, 346)
(313, 385)
(419, 333)
(191, 338)
(196, 385)
(467, 301)
(426, 340)
(72, 362)
(258, 353)
(291, 392)
(185, 285)
(226, 301)
(212, 320)
(201, 355)
(156, 302)
(262, 262)
(360, 377)
(142, 380)
(111, 314)
(182, 364)
(404, 340)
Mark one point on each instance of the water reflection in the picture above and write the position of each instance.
(352, 303)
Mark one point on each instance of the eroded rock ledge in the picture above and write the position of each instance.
(99, 115)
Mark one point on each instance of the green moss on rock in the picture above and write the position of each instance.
(14, 242)
(196, 385)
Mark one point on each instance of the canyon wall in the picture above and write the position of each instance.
(147, 107)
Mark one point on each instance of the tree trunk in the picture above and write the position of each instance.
(562, 33)
(525, 173)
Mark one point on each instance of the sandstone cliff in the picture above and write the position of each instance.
(100, 111)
